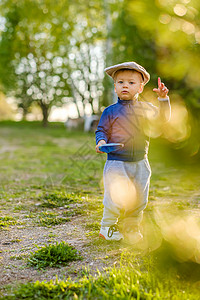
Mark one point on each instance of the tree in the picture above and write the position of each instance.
(126, 42)
(38, 39)
(55, 53)
(175, 28)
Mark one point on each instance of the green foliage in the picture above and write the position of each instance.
(131, 43)
(57, 199)
(18, 257)
(53, 256)
(7, 221)
(116, 283)
(95, 226)
(51, 219)
(42, 48)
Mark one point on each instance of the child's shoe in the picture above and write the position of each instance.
(133, 236)
(111, 233)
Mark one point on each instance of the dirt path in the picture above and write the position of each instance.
(17, 243)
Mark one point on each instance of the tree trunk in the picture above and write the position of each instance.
(77, 108)
(24, 114)
(45, 113)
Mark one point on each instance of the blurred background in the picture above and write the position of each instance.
(52, 57)
(52, 60)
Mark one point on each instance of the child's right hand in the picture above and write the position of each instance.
(100, 143)
(162, 90)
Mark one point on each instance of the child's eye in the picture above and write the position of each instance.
(131, 82)
(120, 81)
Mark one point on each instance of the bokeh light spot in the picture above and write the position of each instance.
(180, 10)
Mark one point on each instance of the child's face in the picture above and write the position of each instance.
(128, 84)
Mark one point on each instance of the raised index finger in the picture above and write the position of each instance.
(159, 82)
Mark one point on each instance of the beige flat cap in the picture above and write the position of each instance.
(130, 66)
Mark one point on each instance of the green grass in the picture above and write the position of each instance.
(52, 178)
(124, 282)
(94, 226)
(6, 221)
(51, 219)
(57, 199)
(53, 256)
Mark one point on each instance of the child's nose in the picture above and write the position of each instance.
(125, 84)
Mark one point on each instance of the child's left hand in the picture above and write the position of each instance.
(162, 90)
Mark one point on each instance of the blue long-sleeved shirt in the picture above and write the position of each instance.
(123, 122)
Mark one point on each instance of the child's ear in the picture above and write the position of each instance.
(115, 87)
(141, 88)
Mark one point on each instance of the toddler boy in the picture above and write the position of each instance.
(127, 171)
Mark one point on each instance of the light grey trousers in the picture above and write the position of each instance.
(126, 189)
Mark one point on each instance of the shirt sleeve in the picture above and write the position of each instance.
(165, 109)
(104, 126)
(153, 113)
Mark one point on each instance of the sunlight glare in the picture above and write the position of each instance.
(180, 10)
(182, 233)
(177, 129)
(123, 192)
